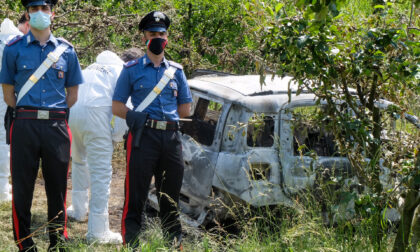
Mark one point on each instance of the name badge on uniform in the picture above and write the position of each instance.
(60, 74)
(174, 88)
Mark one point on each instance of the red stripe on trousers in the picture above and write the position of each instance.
(65, 194)
(15, 218)
(127, 186)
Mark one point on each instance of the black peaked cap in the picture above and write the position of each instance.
(28, 3)
(155, 21)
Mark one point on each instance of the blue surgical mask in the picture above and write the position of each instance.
(40, 20)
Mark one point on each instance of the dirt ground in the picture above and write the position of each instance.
(77, 230)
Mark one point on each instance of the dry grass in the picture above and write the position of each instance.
(265, 230)
(152, 239)
(76, 230)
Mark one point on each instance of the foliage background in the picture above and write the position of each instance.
(252, 36)
(203, 33)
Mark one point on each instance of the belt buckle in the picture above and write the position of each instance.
(43, 114)
(161, 125)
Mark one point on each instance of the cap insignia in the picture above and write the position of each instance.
(158, 16)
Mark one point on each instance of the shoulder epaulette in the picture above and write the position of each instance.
(174, 64)
(65, 41)
(131, 63)
(14, 40)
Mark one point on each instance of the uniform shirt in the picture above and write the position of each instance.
(4, 39)
(139, 77)
(24, 55)
(7, 32)
(100, 79)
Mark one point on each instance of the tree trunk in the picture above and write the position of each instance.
(375, 151)
(415, 230)
(411, 202)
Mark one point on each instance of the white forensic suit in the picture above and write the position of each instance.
(7, 31)
(92, 146)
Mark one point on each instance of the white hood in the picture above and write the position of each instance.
(109, 58)
(8, 28)
(100, 80)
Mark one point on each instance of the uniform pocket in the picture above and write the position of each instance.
(142, 88)
(60, 65)
(173, 87)
(25, 68)
(58, 72)
(171, 94)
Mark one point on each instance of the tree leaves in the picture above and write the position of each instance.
(373, 56)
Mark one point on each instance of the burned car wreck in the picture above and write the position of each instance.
(243, 142)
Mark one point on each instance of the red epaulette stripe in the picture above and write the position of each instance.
(132, 63)
(13, 41)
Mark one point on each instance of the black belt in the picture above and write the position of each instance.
(162, 125)
(40, 114)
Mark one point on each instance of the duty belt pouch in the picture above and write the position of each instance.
(136, 122)
(8, 120)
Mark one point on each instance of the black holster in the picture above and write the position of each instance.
(67, 110)
(8, 120)
(125, 139)
(135, 122)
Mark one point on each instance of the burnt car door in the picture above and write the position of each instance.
(200, 148)
(306, 148)
(248, 166)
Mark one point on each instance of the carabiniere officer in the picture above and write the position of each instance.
(40, 78)
(158, 151)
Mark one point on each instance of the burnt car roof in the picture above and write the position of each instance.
(247, 91)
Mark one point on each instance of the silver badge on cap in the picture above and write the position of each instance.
(158, 16)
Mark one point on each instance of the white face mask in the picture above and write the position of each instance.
(40, 20)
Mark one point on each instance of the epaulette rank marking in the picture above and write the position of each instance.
(65, 41)
(14, 40)
(131, 63)
(174, 64)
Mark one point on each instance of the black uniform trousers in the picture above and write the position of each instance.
(32, 140)
(159, 154)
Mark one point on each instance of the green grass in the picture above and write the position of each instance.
(261, 230)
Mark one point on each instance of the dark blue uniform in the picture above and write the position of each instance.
(32, 138)
(139, 77)
(159, 152)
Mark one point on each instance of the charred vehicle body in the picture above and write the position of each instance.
(243, 142)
